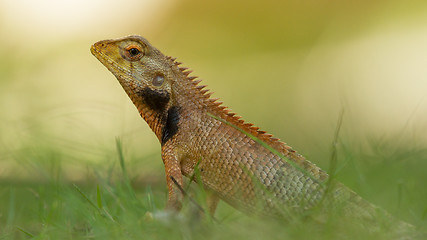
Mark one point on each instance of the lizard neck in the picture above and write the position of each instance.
(155, 120)
(160, 110)
(153, 106)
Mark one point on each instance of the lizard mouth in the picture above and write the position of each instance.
(98, 50)
(106, 60)
(94, 51)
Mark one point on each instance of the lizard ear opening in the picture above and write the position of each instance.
(158, 80)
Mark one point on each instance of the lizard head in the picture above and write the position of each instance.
(147, 77)
(142, 70)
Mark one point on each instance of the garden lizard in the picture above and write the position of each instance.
(236, 162)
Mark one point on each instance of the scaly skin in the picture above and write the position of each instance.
(238, 163)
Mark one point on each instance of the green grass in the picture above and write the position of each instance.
(113, 205)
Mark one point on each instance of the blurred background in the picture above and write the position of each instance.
(289, 67)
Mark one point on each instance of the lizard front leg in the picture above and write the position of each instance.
(172, 169)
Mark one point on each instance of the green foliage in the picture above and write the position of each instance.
(112, 206)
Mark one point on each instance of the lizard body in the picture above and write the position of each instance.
(231, 156)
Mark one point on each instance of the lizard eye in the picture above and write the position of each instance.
(133, 53)
(158, 80)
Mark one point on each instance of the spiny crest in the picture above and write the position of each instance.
(225, 113)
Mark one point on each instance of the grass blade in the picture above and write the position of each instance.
(102, 211)
(25, 232)
(121, 157)
(85, 197)
(98, 197)
(334, 155)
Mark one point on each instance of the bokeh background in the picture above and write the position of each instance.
(289, 67)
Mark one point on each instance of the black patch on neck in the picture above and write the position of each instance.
(170, 127)
(155, 99)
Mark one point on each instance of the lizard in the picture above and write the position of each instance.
(237, 162)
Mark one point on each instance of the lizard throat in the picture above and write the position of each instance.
(155, 100)
(163, 120)
(170, 126)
